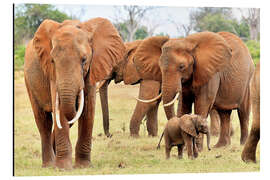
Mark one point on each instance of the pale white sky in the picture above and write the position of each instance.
(161, 15)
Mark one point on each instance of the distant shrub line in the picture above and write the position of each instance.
(253, 46)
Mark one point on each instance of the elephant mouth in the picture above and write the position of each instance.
(80, 102)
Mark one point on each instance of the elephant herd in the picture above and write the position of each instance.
(64, 62)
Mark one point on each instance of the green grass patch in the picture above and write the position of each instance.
(19, 57)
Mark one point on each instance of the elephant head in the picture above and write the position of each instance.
(126, 70)
(195, 58)
(72, 53)
(193, 125)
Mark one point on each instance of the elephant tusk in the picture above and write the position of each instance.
(150, 100)
(57, 119)
(79, 112)
(170, 103)
(100, 85)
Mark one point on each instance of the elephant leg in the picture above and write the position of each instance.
(44, 123)
(214, 125)
(249, 151)
(195, 149)
(189, 145)
(243, 114)
(224, 136)
(85, 129)
(168, 151)
(168, 146)
(204, 100)
(180, 151)
(152, 120)
(103, 93)
(187, 100)
(148, 90)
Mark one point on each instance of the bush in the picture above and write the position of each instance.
(19, 57)
(254, 49)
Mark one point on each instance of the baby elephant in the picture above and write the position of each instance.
(182, 131)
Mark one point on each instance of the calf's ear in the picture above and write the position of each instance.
(187, 124)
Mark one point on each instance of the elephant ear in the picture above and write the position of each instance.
(42, 44)
(146, 58)
(130, 74)
(187, 124)
(73, 22)
(107, 45)
(211, 52)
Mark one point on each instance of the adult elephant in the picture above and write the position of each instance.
(63, 62)
(211, 70)
(126, 71)
(249, 151)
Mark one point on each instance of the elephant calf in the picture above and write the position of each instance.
(182, 131)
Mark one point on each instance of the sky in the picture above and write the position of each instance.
(161, 15)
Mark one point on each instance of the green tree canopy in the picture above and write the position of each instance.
(141, 33)
(218, 19)
(28, 17)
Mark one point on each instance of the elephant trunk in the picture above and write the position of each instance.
(103, 93)
(67, 98)
(208, 140)
(170, 87)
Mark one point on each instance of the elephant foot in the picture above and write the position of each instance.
(191, 157)
(82, 164)
(48, 164)
(109, 135)
(248, 157)
(214, 133)
(135, 135)
(221, 144)
(200, 148)
(152, 135)
(65, 164)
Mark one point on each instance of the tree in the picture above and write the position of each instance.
(132, 16)
(183, 29)
(28, 17)
(252, 18)
(162, 34)
(211, 19)
(141, 33)
(218, 19)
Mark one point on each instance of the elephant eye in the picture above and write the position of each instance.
(181, 67)
(84, 60)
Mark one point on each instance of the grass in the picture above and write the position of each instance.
(136, 156)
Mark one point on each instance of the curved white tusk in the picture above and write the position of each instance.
(171, 102)
(150, 100)
(57, 119)
(100, 85)
(79, 112)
